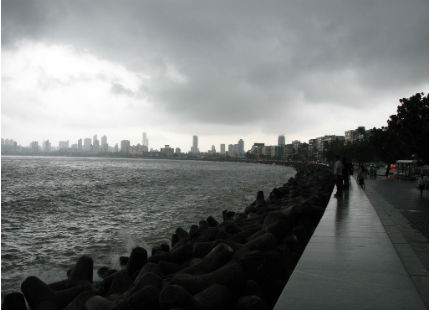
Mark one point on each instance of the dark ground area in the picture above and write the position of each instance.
(405, 216)
(405, 197)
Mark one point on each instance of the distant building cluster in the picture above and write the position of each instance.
(234, 150)
(83, 146)
(352, 136)
(296, 150)
(311, 151)
(11, 146)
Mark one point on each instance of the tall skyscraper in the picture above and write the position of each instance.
(194, 148)
(282, 140)
(95, 144)
(87, 145)
(63, 145)
(125, 146)
(145, 140)
(241, 146)
(104, 145)
(222, 148)
(46, 146)
(79, 145)
(230, 147)
(34, 147)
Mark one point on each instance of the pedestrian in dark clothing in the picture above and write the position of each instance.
(387, 171)
(346, 176)
(422, 184)
(350, 168)
(361, 176)
(338, 171)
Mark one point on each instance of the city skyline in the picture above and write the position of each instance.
(221, 70)
(86, 143)
(204, 142)
(94, 146)
(314, 150)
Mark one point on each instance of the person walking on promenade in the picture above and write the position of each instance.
(346, 175)
(338, 171)
(387, 171)
(361, 175)
(372, 171)
(422, 183)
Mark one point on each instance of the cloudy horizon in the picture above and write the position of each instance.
(217, 69)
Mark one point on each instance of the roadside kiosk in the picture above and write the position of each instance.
(406, 169)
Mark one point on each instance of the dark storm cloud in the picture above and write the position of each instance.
(242, 61)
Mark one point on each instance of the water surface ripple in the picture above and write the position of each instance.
(55, 209)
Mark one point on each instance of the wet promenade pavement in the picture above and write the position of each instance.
(405, 217)
(404, 196)
(358, 258)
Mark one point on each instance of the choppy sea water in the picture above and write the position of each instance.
(55, 209)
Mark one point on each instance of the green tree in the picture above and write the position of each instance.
(333, 149)
(410, 126)
(383, 145)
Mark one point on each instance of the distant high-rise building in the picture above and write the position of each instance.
(236, 150)
(282, 140)
(241, 146)
(116, 148)
(167, 150)
(73, 147)
(46, 146)
(257, 148)
(178, 150)
(9, 146)
(104, 145)
(194, 148)
(145, 140)
(87, 145)
(213, 149)
(95, 144)
(351, 136)
(222, 148)
(296, 144)
(125, 146)
(34, 147)
(230, 147)
(63, 145)
(79, 145)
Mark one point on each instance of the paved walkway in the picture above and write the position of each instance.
(351, 262)
(405, 197)
(405, 217)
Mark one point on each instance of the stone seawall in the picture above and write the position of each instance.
(240, 263)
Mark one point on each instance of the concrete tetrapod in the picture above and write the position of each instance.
(230, 275)
(217, 257)
(14, 301)
(38, 294)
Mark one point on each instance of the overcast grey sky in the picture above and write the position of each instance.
(222, 70)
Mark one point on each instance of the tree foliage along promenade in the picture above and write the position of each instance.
(405, 137)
